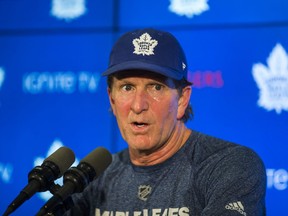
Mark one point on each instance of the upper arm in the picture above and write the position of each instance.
(236, 185)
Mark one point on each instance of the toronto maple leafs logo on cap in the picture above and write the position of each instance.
(144, 45)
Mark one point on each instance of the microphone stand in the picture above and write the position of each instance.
(52, 188)
(61, 207)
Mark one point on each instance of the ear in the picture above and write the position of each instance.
(183, 101)
(111, 100)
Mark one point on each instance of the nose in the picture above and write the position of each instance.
(140, 102)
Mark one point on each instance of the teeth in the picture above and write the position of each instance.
(139, 124)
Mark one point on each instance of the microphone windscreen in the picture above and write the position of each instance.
(100, 158)
(63, 158)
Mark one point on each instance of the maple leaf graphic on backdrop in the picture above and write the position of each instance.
(273, 80)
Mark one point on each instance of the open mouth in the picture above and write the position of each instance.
(139, 124)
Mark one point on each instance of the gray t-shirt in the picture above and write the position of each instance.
(207, 176)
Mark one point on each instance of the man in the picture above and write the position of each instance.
(167, 169)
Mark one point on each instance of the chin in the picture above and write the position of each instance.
(141, 146)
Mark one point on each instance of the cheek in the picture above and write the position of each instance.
(167, 112)
(121, 108)
(173, 111)
(120, 104)
(121, 111)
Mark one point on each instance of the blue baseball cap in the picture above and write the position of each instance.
(151, 50)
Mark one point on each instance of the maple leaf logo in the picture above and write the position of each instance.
(273, 80)
(144, 45)
(188, 8)
(68, 10)
(2, 76)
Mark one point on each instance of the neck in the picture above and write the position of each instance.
(167, 150)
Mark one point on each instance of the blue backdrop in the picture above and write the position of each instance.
(52, 54)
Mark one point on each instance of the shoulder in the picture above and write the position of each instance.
(225, 172)
(213, 157)
(205, 147)
(222, 162)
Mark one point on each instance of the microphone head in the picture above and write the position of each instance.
(63, 158)
(100, 158)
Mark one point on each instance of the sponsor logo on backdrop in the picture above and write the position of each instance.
(6, 171)
(277, 179)
(68, 9)
(272, 80)
(60, 82)
(204, 79)
(188, 8)
(39, 160)
(2, 76)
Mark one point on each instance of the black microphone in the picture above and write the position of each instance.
(41, 178)
(77, 178)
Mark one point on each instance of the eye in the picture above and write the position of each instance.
(157, 87)
(127, 87)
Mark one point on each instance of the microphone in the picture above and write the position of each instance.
(77, 178)
(41, 178)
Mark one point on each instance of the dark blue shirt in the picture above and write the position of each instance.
(207, 176)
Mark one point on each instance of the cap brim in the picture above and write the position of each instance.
(136, 65)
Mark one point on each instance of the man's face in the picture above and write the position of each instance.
(146, 107)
